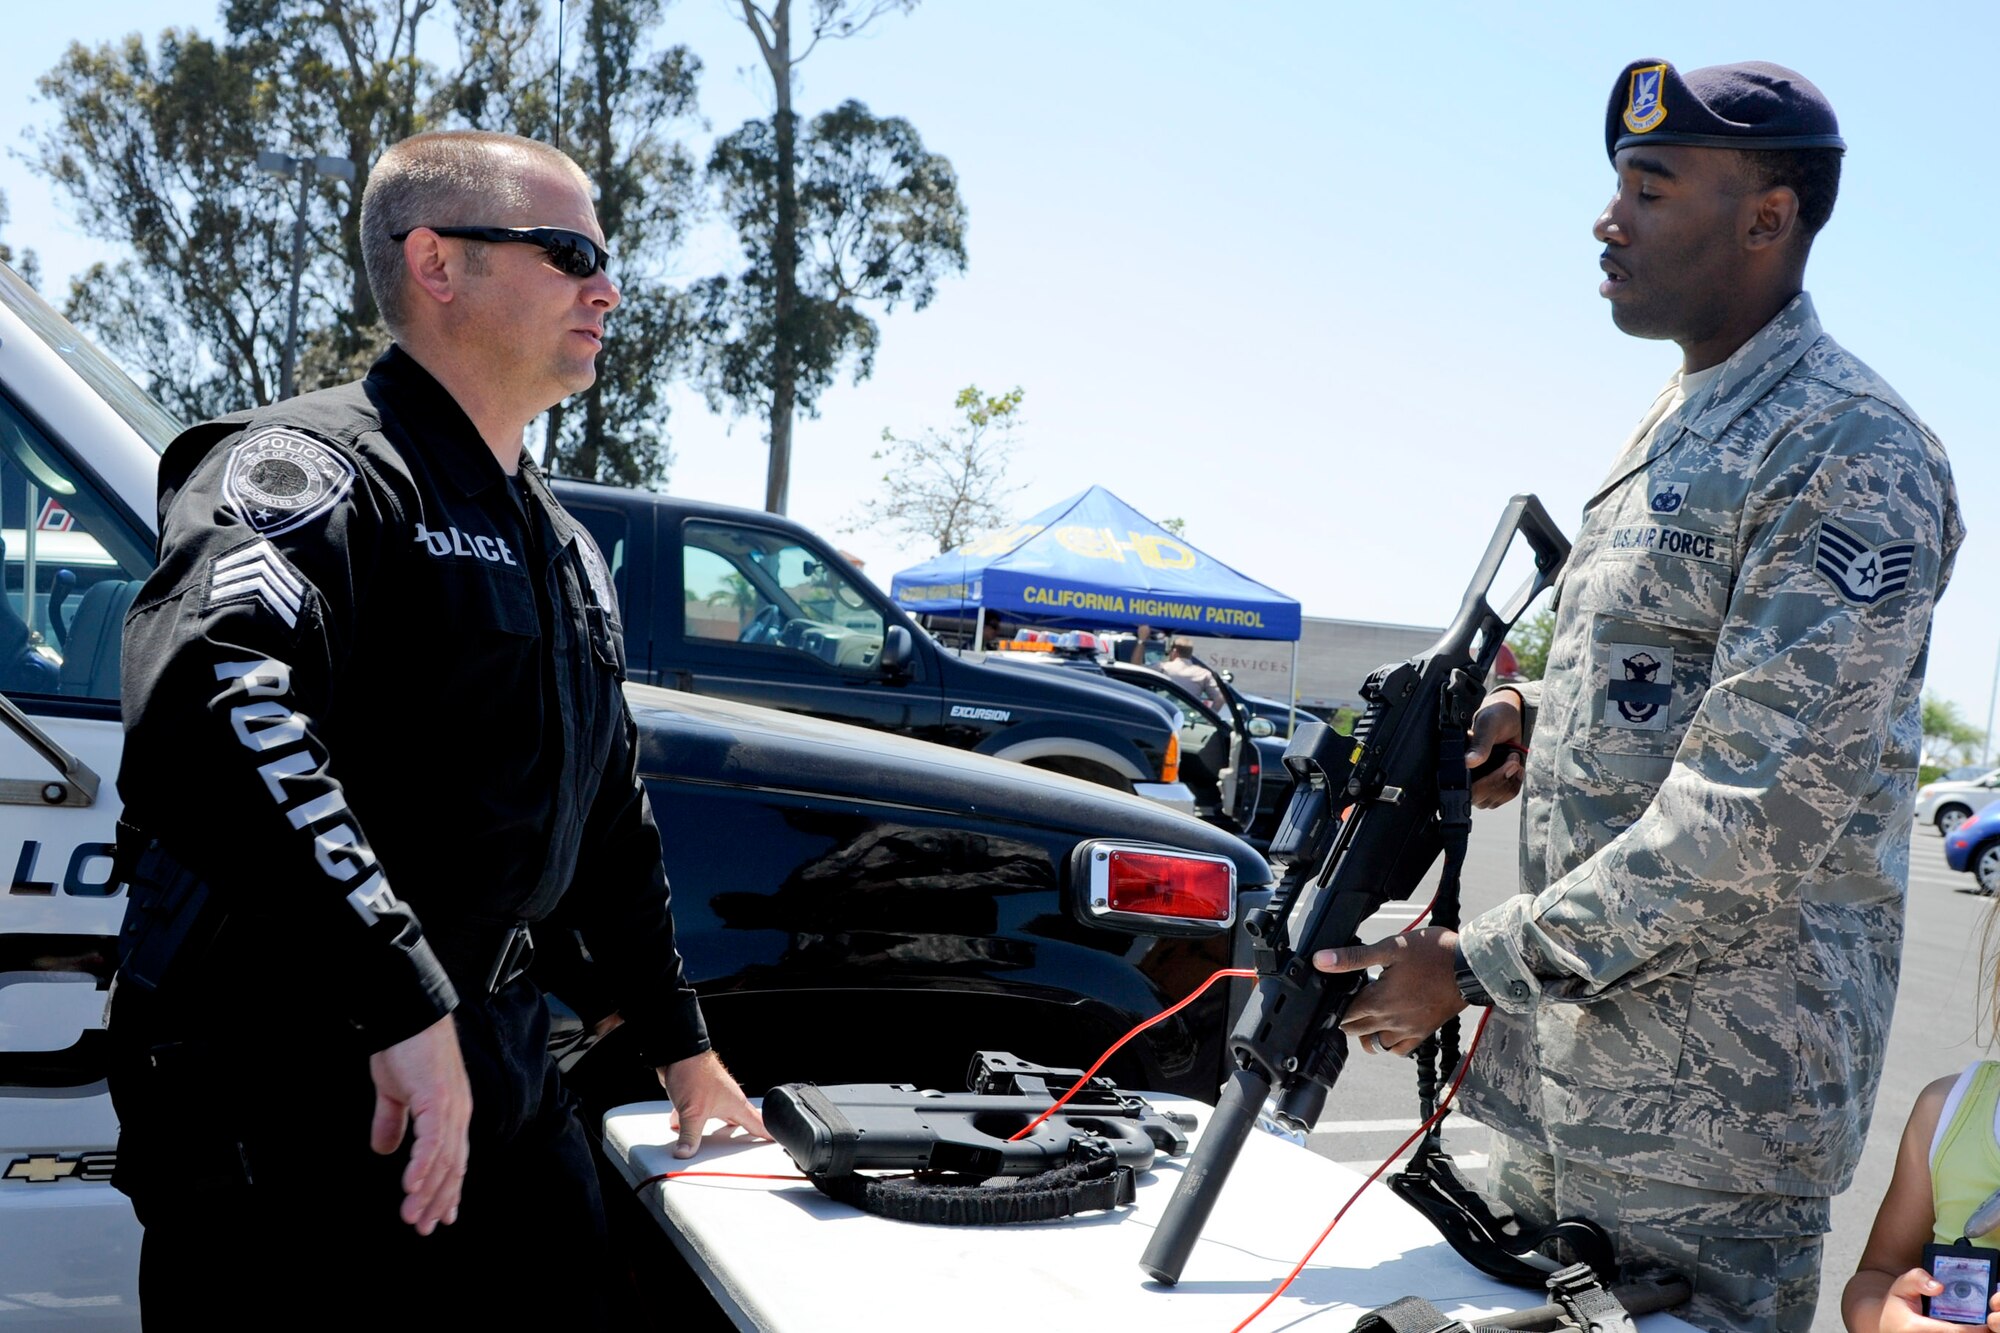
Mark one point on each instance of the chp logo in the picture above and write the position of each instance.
(277, 480)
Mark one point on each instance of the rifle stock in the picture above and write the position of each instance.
(1369, 815)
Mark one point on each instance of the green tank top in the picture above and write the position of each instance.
(1965, 1166)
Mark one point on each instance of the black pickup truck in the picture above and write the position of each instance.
(856, 907)
(750, 606)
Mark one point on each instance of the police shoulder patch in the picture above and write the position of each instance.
(278, 479)
(1859, 572)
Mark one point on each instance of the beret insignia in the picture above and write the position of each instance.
(1645, 100)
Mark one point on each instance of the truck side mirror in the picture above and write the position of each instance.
(897, 651)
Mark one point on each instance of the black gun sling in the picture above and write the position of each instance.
(1496, 1242)
(1581, 1303)
(1094, 1181)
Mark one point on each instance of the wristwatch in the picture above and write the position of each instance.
(1468, 980)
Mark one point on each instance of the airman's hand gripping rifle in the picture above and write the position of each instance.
(1369, 815)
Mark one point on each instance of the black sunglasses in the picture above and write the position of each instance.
(571, 251)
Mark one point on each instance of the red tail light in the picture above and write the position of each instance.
(1160, 891)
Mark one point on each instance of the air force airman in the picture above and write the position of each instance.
(1693, 989)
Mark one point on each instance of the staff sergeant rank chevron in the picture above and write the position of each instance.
(1862, 573)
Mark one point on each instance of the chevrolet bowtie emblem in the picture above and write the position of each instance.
(41, 1169)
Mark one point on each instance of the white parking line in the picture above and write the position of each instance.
(1466, 1161)
(1364, 1126)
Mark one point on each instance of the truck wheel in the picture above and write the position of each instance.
(1086, 769)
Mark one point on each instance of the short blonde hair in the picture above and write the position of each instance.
(451, 178)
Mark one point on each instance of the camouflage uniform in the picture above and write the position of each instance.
(1694, 985)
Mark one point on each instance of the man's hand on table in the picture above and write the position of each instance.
(702, 1090)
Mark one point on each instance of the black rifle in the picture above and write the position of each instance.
(1080, 1158)
(1369, 814)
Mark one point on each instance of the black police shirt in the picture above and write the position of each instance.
(372, 694)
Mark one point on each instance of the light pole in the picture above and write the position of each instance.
(304, 169)
(1992, 696)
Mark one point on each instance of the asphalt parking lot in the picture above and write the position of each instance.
(1935, 1033)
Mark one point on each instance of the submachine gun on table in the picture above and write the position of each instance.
(1369, 815)
(991, 1155)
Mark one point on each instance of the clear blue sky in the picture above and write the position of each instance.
(1316, 277)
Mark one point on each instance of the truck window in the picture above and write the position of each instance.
(1198, 725)
(761, 588)
(69, 570)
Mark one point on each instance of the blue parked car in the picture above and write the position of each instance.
(1975, 846)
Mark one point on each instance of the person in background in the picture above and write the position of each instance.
(1180, 663)
(1945, 1187)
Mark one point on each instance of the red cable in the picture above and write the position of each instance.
(1443, 1106)
(737, 1175)
(1169, 1013)
(1087, 1074)
(1163, 1014)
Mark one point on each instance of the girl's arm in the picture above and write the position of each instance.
(1885, 1294)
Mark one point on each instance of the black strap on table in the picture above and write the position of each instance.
(1411, 1314)
(1094, 1180)
(1582, 1304)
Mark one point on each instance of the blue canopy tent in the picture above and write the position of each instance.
(1094, 561)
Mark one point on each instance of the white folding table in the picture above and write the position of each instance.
(782, 1258)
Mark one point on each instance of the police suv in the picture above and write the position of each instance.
(852, 906)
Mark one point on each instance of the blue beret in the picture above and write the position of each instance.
(1751, 105)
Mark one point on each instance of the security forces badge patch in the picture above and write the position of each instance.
(1640, 693)
(277, 480)
(1861, 573)
(1645, 107)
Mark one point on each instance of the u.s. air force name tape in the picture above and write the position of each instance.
(1659, 539)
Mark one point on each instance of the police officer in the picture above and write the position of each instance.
(1180, 663)
(376, 742)
(1692, 992)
